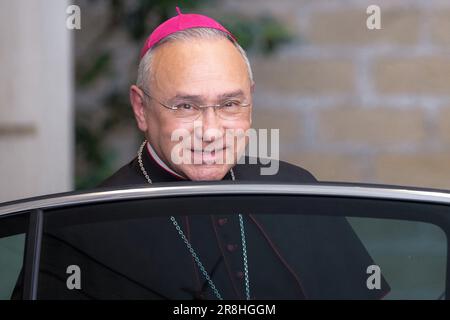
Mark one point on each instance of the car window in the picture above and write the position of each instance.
(412, 255)
(13, 231)
(312, 247)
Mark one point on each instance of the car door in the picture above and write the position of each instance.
(302, 241)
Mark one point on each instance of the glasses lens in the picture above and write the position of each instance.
(232, 109)
(187, 111)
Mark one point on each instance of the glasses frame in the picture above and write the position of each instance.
(198, 107)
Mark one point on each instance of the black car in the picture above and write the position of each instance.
(346, 241)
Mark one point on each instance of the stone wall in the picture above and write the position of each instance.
(355, 104)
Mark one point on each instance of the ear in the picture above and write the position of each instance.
(138, 105)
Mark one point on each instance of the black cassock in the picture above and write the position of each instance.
(289, 257)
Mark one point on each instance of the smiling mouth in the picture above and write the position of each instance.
(205, 151)
(208, 157)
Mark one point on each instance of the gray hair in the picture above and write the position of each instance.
(145, 66)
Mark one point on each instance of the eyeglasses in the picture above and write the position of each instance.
(231, 109)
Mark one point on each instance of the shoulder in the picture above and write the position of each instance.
(252, 169)
(126, 175)
(294, 173)
(276, 170)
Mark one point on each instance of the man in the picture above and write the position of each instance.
(195, 78)
(183, 65)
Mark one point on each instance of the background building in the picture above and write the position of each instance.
(36, 116)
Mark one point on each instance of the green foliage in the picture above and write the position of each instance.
(97, 161)
(262, 34)
(94, 160)
(99, 66)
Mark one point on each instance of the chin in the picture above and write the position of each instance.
(207, 172)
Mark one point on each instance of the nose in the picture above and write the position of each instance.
(211, 126)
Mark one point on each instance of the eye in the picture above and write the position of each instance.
(184, 106)
(231, 103)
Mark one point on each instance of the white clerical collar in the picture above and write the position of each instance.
(160, 162)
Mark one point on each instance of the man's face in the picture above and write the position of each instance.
(207, 71)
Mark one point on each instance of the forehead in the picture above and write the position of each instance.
(199, 66)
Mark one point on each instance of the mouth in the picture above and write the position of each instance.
(208, 156)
